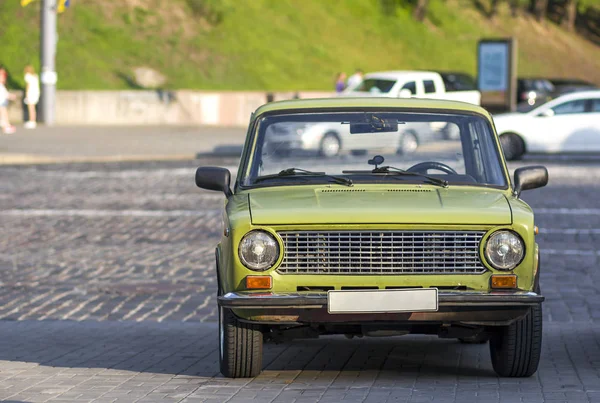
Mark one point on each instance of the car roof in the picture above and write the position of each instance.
(570, 81)
(395, 74)
(533, 79)
(579, 95)
(354, 103)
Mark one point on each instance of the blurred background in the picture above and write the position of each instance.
(107, 246)
(212, 62)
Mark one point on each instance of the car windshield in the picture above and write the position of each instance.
(458, 82)
(329, 148)
(375, 86)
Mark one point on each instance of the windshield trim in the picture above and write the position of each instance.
(252, 138)
(315, 181)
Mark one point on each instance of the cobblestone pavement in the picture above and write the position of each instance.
(108, 293)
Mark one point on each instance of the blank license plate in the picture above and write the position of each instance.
(382, 301)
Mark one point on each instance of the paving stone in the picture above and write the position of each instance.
(121, 307)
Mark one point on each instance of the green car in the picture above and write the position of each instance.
(433, 241)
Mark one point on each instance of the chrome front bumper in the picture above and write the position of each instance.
(466, 307)
(253, 300)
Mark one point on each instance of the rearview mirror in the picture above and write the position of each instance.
(214, 178)
(374, 124)
(531, 177)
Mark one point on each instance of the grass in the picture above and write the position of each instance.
(274, 44)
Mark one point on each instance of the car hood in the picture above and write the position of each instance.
(406, 205)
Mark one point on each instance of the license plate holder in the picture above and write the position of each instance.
(382, 301)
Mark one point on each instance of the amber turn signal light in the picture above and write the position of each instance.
(536, 230)
(504, 281)
(259, 282)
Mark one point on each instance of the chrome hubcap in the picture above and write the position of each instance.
(331, 146)
(409, 143)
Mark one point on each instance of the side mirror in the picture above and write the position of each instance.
(214, 178)
(404, 93)
(531, 177)
(548, 113)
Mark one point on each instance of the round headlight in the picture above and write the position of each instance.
(258, 250)
(504, 250)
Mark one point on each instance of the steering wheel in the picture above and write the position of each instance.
(423, 167)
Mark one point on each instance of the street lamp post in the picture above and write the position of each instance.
(48, 76)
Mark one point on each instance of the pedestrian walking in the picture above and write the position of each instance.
(340, 82)
(5, 96)
(32, 95)
(355, 79)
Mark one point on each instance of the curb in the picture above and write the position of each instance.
(32, 159)
(226, 150)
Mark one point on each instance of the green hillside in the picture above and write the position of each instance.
(275, 44)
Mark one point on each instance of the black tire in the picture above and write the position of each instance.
(515, 349)
(240, 346)
(410, 139)
(322, 148)
(451, 132)
(513, 146)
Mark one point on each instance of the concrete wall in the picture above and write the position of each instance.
(183, 107)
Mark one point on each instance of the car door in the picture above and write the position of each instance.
(591, 127)
(560, 127)
(580, 126)
(409, 89)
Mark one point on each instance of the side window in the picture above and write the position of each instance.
(411, 86)
(595, 105)
(429, 86)
(376, 86)
(577, 106)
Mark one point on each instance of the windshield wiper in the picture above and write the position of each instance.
(290, 172)
(388, 169)
(398, 171)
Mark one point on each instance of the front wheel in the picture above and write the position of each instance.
(330, 145)
(240, 346)
(516, 348)
(408, 144)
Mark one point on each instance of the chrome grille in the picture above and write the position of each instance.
(381, 252)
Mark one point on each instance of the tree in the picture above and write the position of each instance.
(573, 7)
(568, 20)
(539, 9)
(494, 8)
(420, 10)
(516, 5)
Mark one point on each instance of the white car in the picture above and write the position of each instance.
(331, 139)
(569, 123)
(410, 84)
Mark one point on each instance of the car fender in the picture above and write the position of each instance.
(218, 270)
